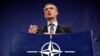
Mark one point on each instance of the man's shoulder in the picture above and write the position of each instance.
(66, 28)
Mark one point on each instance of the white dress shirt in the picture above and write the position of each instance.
(55, 26)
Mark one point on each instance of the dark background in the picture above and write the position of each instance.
(17, 15)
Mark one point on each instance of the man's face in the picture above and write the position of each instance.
(50, 11)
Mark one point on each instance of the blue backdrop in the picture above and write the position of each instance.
(17, 15)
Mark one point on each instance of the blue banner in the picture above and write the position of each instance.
(74, 44)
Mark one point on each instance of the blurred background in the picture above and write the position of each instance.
(17, 15)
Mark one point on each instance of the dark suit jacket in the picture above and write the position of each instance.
(60, 29)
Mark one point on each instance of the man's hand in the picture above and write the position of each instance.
(33, 29)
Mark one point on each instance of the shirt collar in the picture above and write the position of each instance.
(55, 23)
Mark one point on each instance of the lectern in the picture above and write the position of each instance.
(71, 44)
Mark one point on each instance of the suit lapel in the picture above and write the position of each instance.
(58, 30)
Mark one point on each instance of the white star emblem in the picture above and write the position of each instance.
(51, 50)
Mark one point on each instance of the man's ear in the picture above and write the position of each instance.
(44, 15)
(57, 12)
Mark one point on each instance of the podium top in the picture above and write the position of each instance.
(80, 44)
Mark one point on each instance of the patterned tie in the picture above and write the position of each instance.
(51, 28)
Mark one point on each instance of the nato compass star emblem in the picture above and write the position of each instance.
(51, 50)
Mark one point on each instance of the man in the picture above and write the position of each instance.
(52, 27)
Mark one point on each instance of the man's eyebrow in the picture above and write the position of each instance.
(45, 8)
(52, 7)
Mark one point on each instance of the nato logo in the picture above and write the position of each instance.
(50, 49)
(74, 44)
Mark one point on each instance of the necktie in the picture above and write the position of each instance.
(51, 28)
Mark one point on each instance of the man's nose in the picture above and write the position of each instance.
(49, 10)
